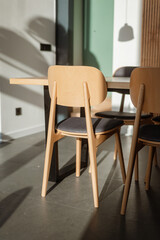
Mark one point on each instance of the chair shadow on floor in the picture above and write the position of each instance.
(70, 167)
(142, 222)
(10, 204)
(7, 168)
(153, 198)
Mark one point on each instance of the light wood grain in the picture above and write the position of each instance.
(151, 78)
(29, 81)
(114, 83)
(70, 88)
(78, 156)
(83, 76)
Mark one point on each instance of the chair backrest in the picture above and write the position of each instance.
(69, 81)
(124, 71)
(150, 77)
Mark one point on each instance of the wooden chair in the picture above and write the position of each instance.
(123, 72)
(156, 120)
(127, 117)
(79, 86)
(144, 91)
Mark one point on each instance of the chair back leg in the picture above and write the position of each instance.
(149, 166)
(78, 156)
(119, 147)
(136, 169)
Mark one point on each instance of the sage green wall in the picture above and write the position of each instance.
(98, 34)
(78, 32)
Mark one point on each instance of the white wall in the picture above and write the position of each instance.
(23, 25)
(126, 53)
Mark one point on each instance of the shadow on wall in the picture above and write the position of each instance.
(89, 58)
(22, 93)
(19, 53)
(39, 29)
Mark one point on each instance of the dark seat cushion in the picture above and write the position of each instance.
(120, 115)
(150, 132)
(122, 91)
(78, 124)
(156, 119)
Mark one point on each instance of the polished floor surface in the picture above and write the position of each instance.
(67, 212)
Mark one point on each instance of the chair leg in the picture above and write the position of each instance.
(115, 149)
(119, 148)
(128, 183)
(133, 151)
(115, 152)
(89, 170)
(93, 163)
(155, 158)
(47, 164)
(136, 169)
(149, 166)
(120, 110)
(78, 156)
(122, 103)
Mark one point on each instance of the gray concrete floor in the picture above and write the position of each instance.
(67, 212)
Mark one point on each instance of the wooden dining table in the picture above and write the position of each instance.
(114, 84)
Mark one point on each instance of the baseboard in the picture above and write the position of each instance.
(23, 132)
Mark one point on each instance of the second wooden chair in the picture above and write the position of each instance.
(144, 91)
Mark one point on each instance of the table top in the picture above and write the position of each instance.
(112, 82)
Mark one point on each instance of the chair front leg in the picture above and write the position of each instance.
(93, 163)
(47, 165)
(50, 141)
(89, 170)
(128, 182)
(119, 147)
(133, 151)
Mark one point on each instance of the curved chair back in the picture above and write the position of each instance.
(124, 71)
(69, 81)
(150, 78)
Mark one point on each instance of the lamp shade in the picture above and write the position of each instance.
(126, 33)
